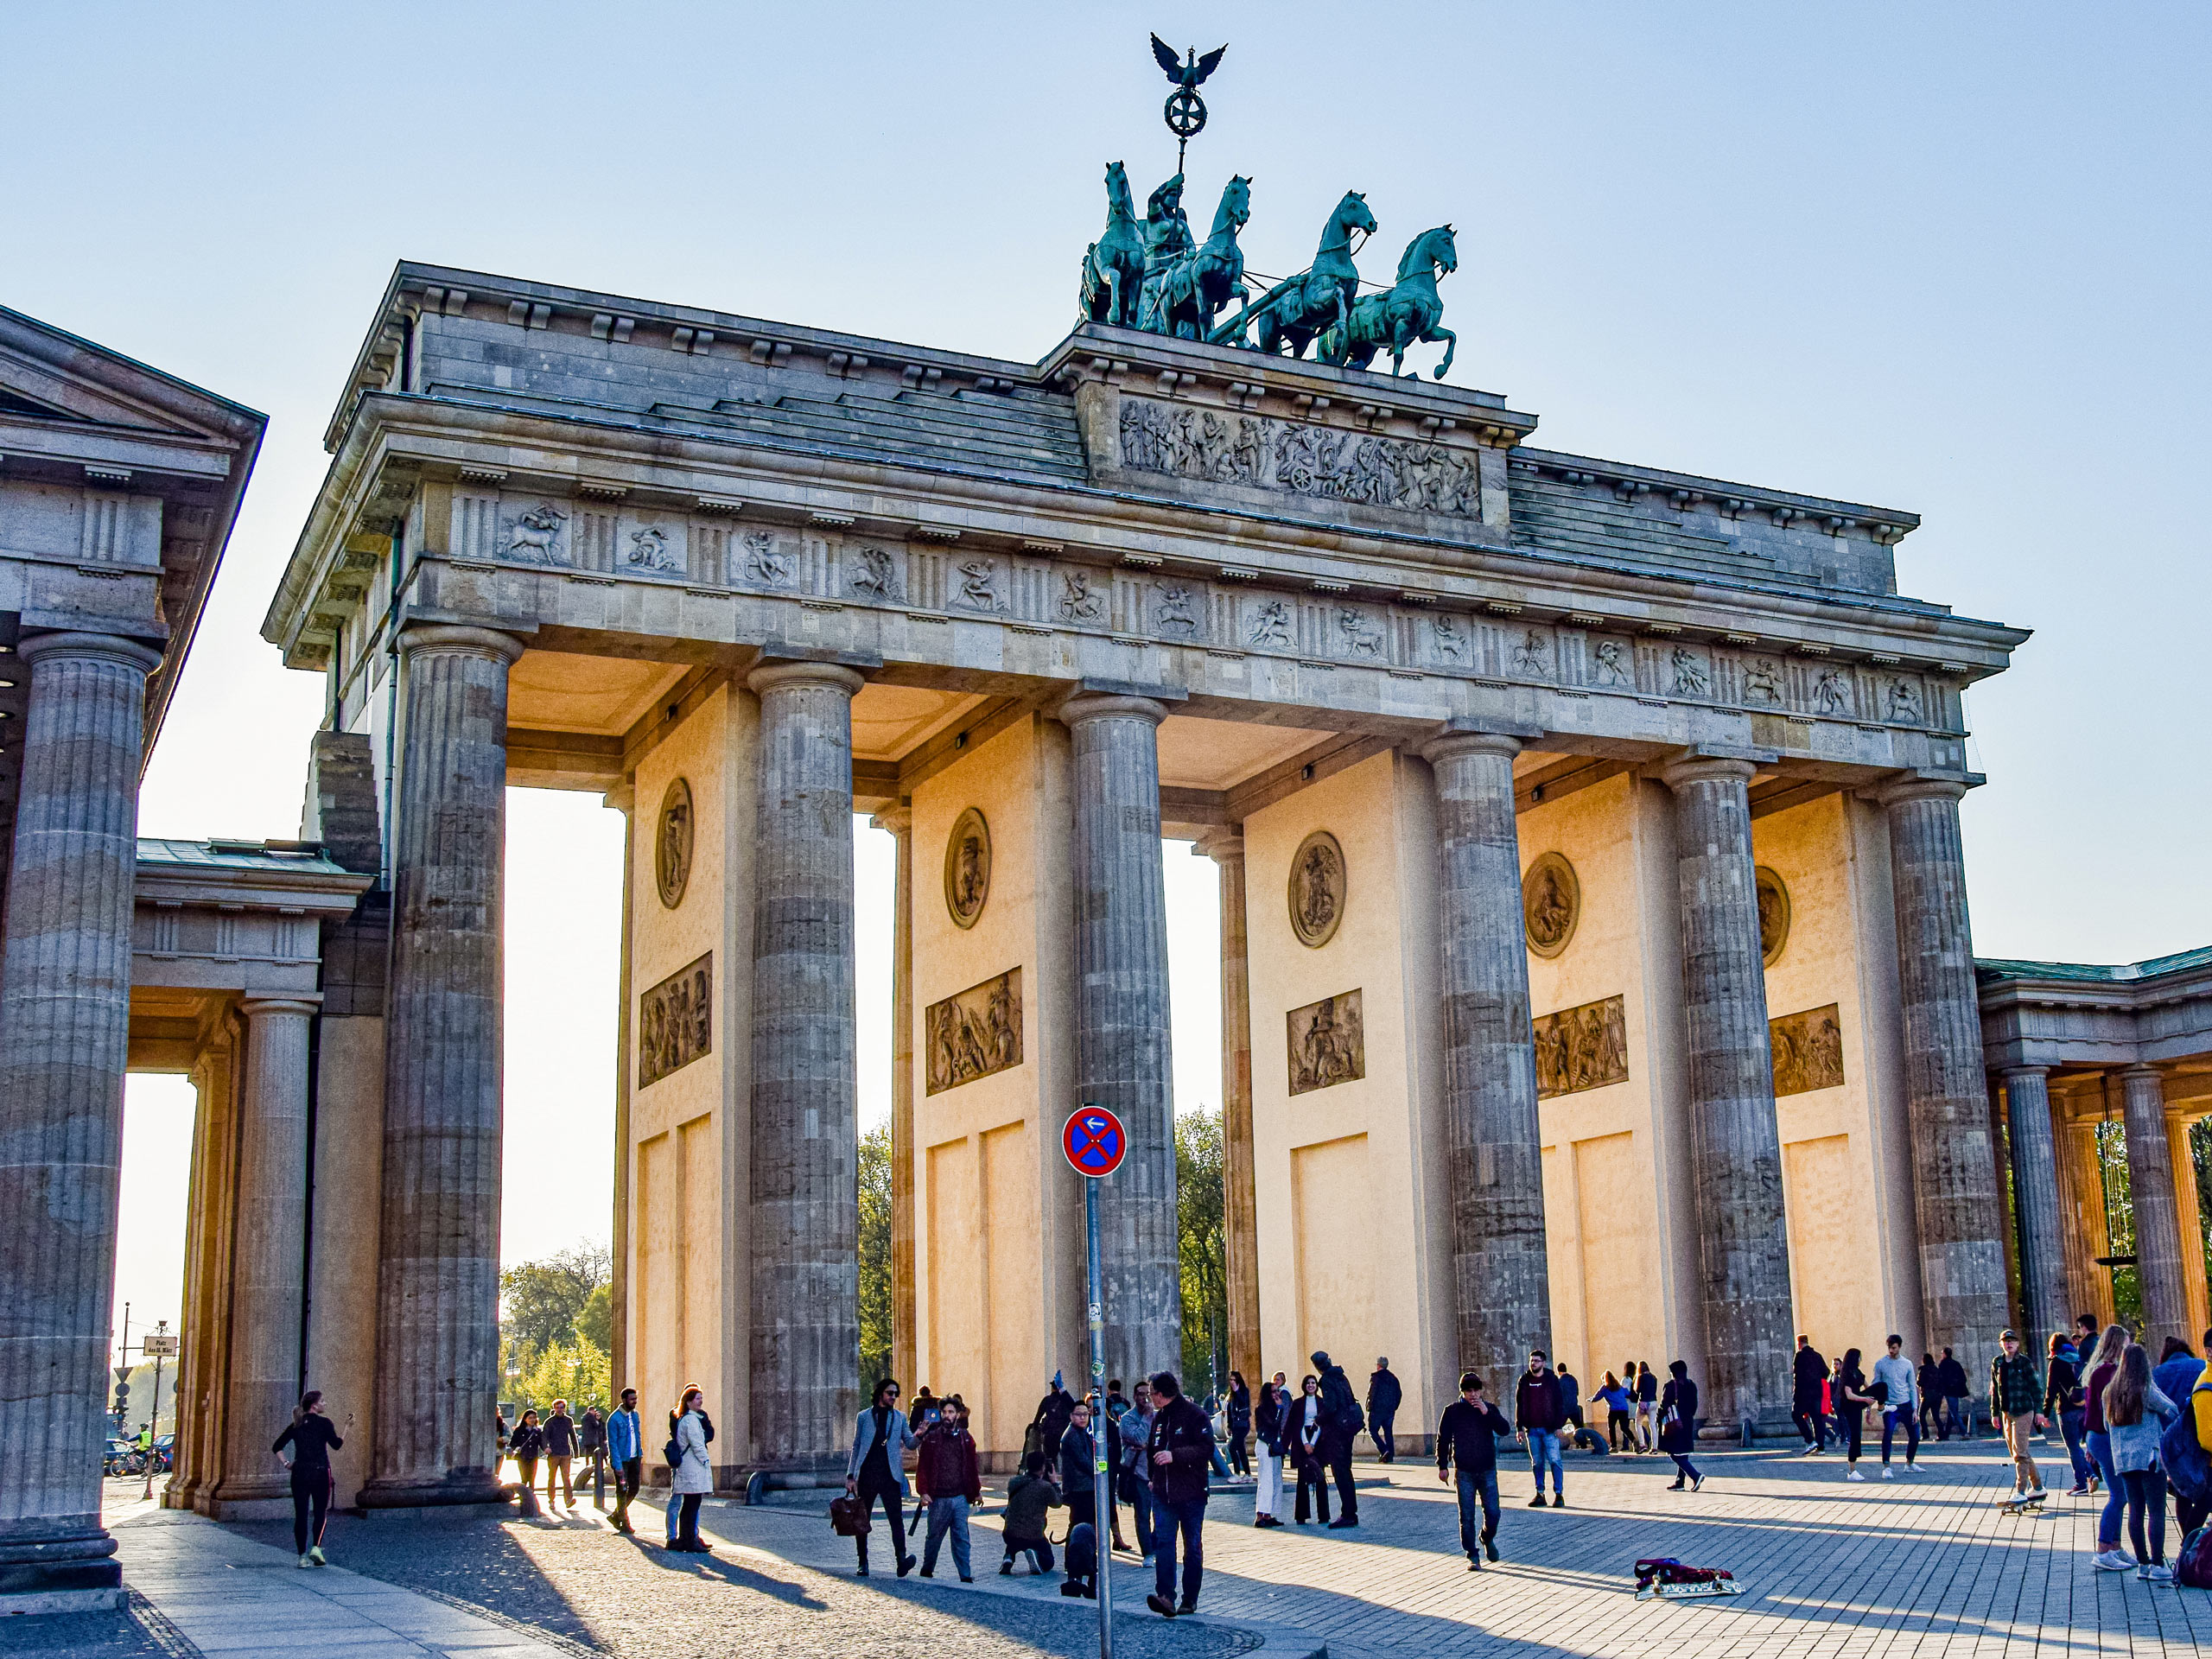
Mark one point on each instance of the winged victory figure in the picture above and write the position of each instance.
(1191, 75)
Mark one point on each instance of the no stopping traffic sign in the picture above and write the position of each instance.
(1094, 1141)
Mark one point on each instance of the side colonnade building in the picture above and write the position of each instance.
(1597, 971)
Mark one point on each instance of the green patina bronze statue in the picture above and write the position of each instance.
(1410, 311)
(1195, 288)
(1113, 266)
(1167, 240)
(1299, 309)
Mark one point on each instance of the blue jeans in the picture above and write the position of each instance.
(2069, 1425)
(1148, 1511)
(1896, 1417)
(1170, 1519)
(1543, 1447)
(948, 1514)
(1477, 1488)
(2108, 1524)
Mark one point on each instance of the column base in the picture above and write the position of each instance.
(49, 1603)
(469, 1489)
(76, 1561)
(219, 1507)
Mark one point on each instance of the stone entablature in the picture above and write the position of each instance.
(2072, 1014)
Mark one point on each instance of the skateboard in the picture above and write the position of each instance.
(2030, 1504)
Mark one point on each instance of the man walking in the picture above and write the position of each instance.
(591, 1440)
(1177, 1459)
(1383, 1397)
(951, 1477)
(1808, 1372)
(560, 1448)
(625, 1447)
(1958, 1409)
(2015, 1394)
(1467, 1437)
(1340, 1410)
(1895, 1383)
(1539, 1414)
(1136, 1426)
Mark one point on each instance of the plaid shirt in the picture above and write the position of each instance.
(2015, 1385)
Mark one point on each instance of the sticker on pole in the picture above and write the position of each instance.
(1095, 1142)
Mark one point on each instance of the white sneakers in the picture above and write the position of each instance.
(2155, 1573)
(2112, 1560)
(1888, 1473)
(1854, 1475)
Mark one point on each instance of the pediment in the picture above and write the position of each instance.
(50, 376)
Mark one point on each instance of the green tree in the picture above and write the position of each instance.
(595, 1321)
(543, 1298)
(574, 1371)
(875, 1256)
(1203, 1247)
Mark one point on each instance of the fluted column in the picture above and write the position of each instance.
(1240, 1200)
(2035, 1198)
(2189, 1219)
(1735, 1143)
(1956, 1204)
(65, 1018)
(1122, 1054)
(1501, 1285)
(899, 821)
(805, 1112)
(438, 1277)
(2157, 1224)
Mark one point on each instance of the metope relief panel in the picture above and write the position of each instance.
(1082, 598)
(1449, 642)
(1808, 1051)
(978, 586)
(1611, 666)
(1327, 1043)
(872, 573)
(1831, 692)
(675, 1022)
(764, 559)
(533, 533)
(975, 1033)
(650, 547)
(1177, 611)
(1530, 655)
(1260, 452)
(1584, 1047)
(1267, 624)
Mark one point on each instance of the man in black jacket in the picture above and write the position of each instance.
(1177, 1459)
(1340, 1410)
(1078, 1481)
(1383, 1397)
(1539, 1414)
(1468, 1437)
(1808, 1371)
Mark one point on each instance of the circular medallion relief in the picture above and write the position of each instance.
(1551, 904)
(968, 867)
(672, 843)
(1774, 915)
(1317, 879)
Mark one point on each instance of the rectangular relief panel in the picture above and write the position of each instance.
(1579, 1048)
(1328, 1043)
(675, 1022)
(975, 1033)
(1808, 1051)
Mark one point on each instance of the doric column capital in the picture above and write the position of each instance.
(782, 676)
(1223, 845)
(1463, 737)
(2038, 1072)
(1921, 786)
(1110, 705)
(898, 820)
(449, 639)
(2141, 1072)
(90, 648)
(1703, 766)
(305, 1006)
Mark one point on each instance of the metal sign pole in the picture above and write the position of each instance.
(1102, 1527)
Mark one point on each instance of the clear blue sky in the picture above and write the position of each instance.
(1945, 258)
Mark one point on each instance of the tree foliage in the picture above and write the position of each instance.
(576, 1371)
(875, 1256)
(543, 1301)
(1203, 1248)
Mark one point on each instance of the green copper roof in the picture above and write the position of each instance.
(1990, 970)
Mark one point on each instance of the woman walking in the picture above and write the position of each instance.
(2136, 1413)
(524, 1446)
(312, 1439)
(1852, 1399)
(2104, 1365)
(1269, 1421)
(1620, 1413)
(1308, 1441)
(1240, 1422)
(1647, 1405)
(1678, 1426)
(694, 1475)
(2063, 1404)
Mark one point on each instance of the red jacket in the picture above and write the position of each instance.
(948, 1465)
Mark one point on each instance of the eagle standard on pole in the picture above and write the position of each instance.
(1185, 111)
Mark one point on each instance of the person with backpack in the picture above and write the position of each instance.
(1050, 1423)
(2177, 1369)
(1808, 1371)
(2062, 1404)
(691, 1475)
(875, 1470)
(2136, 1413)
(951, 1477)
(1384, 1395)
(2183, 1451)
(2016, 1390)
(1178, 1458)
(1270, 1420)
(626, 1448)
(1895, 1387)
(1030, 1498)
(1539, 1413)
(312, 1439)
(1466, 1439)
(1341, 1406)
(1678, 1425)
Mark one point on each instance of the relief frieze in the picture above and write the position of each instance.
(975, 1033)
(1263, 453)
(675, 1022)
(1328, 1043)
(1579, 1048)
(1808, 1051)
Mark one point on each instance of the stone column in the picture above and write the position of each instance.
(2157, 1226)
(899, 821)
(2189, 1220)
(438, 1278)
(65, 1018)
(624, 799)
(1956, 1204)
(1501, 1284)
(268, 1258)
(1240, 1200)
(805, 1112)
(1122, 1055)
(1735, 1144)
(2035, 1198)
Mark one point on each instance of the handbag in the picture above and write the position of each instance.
(849, 1518)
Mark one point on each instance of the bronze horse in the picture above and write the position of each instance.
(1113, 266)
(1211, 275)
(1301, 309)
(1411, 310)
